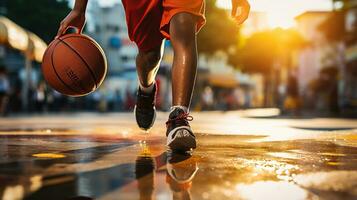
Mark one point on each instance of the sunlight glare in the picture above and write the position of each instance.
(281, 13)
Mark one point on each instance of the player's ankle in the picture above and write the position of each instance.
(184, 108)
(147, 89)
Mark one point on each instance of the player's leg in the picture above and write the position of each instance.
(147, 65)
(183, 38)
(143, 20)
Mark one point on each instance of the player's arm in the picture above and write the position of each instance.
(76, 18)
(240, 10)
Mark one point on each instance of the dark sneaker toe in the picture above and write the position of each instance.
(145, 111)
(145, 119)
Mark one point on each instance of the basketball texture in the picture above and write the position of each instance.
(74, 65)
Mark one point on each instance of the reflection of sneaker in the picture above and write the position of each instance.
(80, 198)
(181, 169)
(179, 134)
(144, 173)
(144, 110)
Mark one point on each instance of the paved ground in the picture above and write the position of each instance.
(238, 157)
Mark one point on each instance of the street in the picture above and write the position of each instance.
(271, 86)
(239, 156)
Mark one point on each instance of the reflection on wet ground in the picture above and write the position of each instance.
(79, 166)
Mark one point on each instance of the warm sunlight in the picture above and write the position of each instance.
(281, 13)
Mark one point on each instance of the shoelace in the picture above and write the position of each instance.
(184, 116)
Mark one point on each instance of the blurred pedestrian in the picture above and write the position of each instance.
(4, 90)
(129, 100)
(103, 103)
(40, 97)
(292, 103)
(118, 100)
(230, 100)
(110, 98)
(207, 98)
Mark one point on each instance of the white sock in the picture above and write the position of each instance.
(147, 90)
(184, 108)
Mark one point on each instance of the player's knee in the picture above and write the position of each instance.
(183, 30)
(152, 58)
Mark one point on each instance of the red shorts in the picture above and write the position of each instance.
(148, 20)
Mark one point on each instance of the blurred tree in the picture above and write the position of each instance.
(257, 56)
(220, 31)
(262, 49)
(334, 26)
(258, 53)
(41, 16)
(264, 52)
(336, 72)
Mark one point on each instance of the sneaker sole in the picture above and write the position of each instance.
(181, 144)
(152, 123)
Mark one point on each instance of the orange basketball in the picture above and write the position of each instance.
(74, 65)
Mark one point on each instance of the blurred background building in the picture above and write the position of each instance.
(348, 84)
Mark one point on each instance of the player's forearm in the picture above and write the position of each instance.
(80, 5)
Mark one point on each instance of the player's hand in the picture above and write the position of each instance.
(75, 19)
(240, 10)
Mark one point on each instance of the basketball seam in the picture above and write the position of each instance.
(93, 42)
(59, 77)
(88, 67)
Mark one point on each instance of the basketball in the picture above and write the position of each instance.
(74, 65)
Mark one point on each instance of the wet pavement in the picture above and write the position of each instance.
(90, 156)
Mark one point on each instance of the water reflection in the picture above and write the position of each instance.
(144, 173)
(80, 198)
(180, 171)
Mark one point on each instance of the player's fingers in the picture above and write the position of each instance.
(234, 8)
(81, 26)
(241, 20)
(238, 12)
(59, 33)
(61, 29)
(242, 17)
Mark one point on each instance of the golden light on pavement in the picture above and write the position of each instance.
(271, 190)
(13, 192)
(270, 168)
(338, 181)
(36, 183)
(48, 155)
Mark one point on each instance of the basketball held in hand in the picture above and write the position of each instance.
(74, 65)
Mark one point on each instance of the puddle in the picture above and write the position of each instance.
(45, 130)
